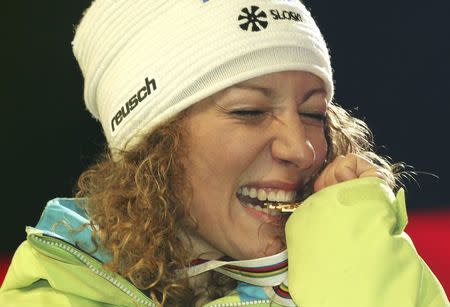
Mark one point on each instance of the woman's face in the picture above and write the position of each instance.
(262, 138)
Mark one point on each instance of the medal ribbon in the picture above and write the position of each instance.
(267, 272)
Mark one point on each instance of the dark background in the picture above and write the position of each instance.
(391, 62)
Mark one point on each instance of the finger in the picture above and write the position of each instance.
(362, 164)
(374, 172)
(326, 178)
(346, 169)
(333, 174)
(343, 168)
(366, 168)
(330, 178)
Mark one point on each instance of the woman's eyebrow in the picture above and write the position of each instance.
(268, 92)
(314, 91)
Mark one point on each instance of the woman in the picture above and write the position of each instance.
(219, 120)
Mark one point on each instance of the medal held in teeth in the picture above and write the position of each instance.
(273, 200)
(283, 207)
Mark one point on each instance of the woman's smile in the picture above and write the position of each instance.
(256, 199)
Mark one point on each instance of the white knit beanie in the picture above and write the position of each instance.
(144, 61)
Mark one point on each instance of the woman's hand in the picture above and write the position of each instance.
(343, 168)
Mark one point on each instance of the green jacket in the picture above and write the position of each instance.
(346, 248)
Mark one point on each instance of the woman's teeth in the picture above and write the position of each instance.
(270, 195)
(261, 199)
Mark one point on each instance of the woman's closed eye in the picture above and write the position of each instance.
(258, 114)
(250, 113)
(316, 117)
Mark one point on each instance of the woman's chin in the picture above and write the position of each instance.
(273, 247)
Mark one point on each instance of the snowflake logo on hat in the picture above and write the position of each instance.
(257, 20)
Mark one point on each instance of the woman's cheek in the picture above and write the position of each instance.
(320, 146)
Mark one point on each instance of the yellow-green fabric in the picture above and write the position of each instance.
(36, 279)
(346, 248)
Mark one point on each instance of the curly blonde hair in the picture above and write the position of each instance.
(138, 201)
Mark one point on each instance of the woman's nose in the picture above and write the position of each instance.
(291, 144)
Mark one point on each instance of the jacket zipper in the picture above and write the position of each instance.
(98, 271)
(106, 275)
(234, 304)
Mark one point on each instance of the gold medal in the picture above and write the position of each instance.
(282, 207)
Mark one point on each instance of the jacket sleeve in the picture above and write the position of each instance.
(346, 247)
